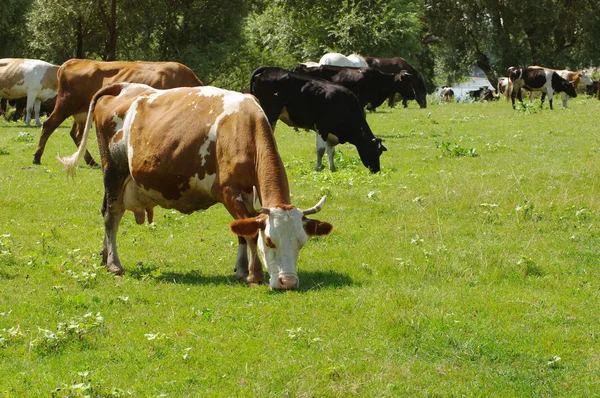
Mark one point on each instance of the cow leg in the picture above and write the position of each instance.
(404, 102)
(112, 212)
(550, 95)
(565, 97)
(36, 108)
(321, 146)
(251, 270)
(77, 134)
(330, 153)
(391, 100)
(51, 124)
(29, 109)
(241, 261)
(255, 269)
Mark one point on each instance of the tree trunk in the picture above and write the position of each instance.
(79, 50)
(111, 46)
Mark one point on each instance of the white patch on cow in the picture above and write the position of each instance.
(118, 122)
(127, 123)
(205, 185)
(231, 104)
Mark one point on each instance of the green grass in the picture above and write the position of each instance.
(467, 267)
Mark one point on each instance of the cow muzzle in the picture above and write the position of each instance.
(285, 282)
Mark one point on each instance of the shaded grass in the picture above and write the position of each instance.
(444, 276)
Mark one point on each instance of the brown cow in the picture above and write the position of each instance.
(79, 79)
(29, 78)
(187, 149)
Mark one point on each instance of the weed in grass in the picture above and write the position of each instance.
(527, 108)
(76, 330)
(85, 386)
(455, 150)
(4, 151)
(530, 268)
(23, 136)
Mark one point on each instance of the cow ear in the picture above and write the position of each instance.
(316, 227)
(247, 227)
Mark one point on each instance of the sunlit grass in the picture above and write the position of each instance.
(445, 275)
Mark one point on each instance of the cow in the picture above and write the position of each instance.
(395, 65)
(536, 79)
(370, 85)
(186, 149)
(573, 77)
(488, 95)
(337, 59)
(79, 79)
(446, 94)
(331, 110)
(592, 89)
(31, 78)
(20, 105)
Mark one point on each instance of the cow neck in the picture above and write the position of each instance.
(270, 174)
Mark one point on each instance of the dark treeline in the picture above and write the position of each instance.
(224, 40)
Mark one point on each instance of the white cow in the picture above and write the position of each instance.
(31, 78)
(337, 59)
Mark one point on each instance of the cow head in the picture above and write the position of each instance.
(561, 85)
(369, 151)
(282, 231)
(403, 84)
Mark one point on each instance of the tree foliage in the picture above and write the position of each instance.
(496, 34)
(225, 41)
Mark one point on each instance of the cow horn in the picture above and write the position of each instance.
(316, 208)
(257, 206)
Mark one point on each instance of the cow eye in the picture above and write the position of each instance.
(269, 242)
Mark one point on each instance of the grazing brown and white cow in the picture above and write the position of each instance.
(187, 149)
(79, 79)
(29, 78)
(536, 79)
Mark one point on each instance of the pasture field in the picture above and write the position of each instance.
(470, 266)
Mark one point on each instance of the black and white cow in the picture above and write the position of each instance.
(371, 86)
(396, 65)
(446, 94)
(537, 79)
(331, 110)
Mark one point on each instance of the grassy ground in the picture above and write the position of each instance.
(468, 266)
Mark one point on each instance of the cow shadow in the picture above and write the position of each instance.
(309, 280)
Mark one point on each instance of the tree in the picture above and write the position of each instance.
(496, 34)
(12, 21)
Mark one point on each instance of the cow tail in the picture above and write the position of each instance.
(73, 161)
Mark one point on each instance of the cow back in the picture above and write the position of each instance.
(80, 79)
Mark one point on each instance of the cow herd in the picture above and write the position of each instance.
(533, 79)
(166, 140)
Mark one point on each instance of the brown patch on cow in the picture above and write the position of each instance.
(269, 242)
(11, 75)
(285, 207)
(316, 227)
(248, 227)
(118, 137)
(162, 149)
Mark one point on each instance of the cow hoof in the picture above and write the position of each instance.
(255, 280)
(36, 161)
(115, 269)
